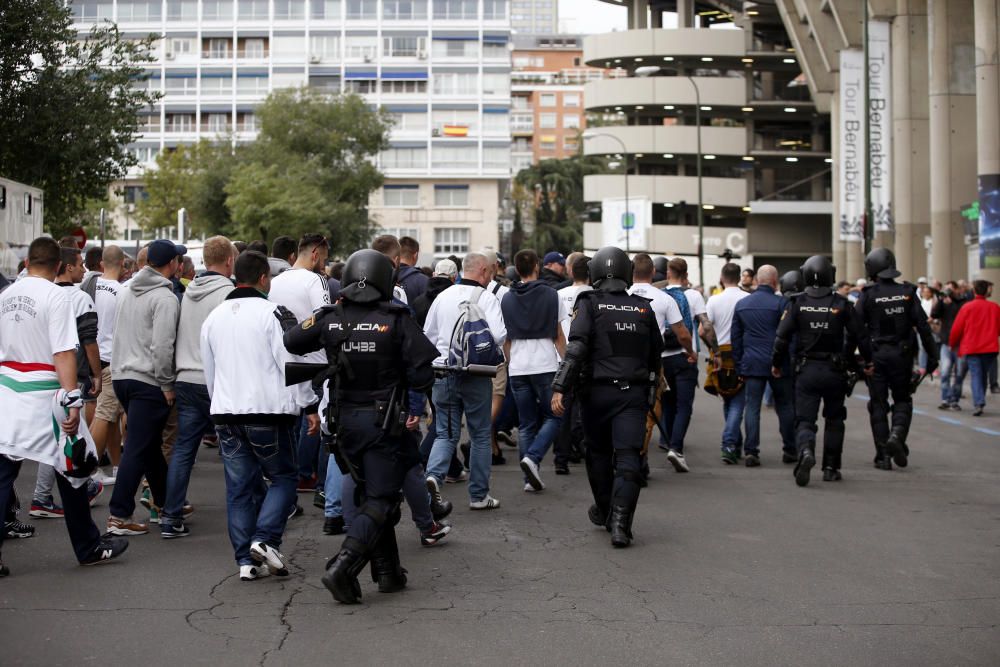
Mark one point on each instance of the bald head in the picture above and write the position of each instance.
(141, 257)
(112, 257)
(767, 275)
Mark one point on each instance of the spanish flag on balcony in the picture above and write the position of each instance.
(456, 130)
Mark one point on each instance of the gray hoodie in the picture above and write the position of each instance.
(201, 297)
(145, 331)
(277, 265)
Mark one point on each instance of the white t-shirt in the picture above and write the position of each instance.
(696, 303)
(105, 302)
(497, 289)
(667, 312)
(302, 292)
(567, 301)
(36, 321)
(720, 309)
(532, 356)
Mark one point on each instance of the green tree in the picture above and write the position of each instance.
(311, 169)
(555, 188)
(67, 106)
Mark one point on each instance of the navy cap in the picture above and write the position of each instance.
(161, 251)
(554, 256)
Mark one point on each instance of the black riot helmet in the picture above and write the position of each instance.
(610, 270)
(660, 264)
(818, 271)
(791, 283)
(881, 263)
(367, 278)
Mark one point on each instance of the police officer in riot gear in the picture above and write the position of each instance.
(377, 352)
(613, 363)
(826, 331)
(890, 311)
(791, 284)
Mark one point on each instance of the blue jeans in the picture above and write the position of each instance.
(732, 409)
(539, 427)
(193, 420)
(951, 390)
(979, 369)
(678, 403)
(249, 453)
(309, 456)
(332, 488)
(454, 396)
(784, 406)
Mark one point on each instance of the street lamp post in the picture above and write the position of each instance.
(701, 210)
(628, 221)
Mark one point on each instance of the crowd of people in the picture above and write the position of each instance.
(117, 371)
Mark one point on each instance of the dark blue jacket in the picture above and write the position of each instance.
(755, 322)
(412, 280)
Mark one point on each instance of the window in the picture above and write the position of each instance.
(547, 120)
(361, 47)
(251, 85)
(217, 122)
(325, 9)
(324, 47)
(494, 50)
(144, 154)
(399, 10)
(182, 10)
(401, 196)
(496, 157)
(362, 9)
(455, 83)
(179, 47)
(138, 10)
(451, 196)
(496, 123)
(361, 86)
(522, 61)
(451, 241)
(571, 99)
(135, 194)
(253, 9)
(218, 48)
(216, 10)
(464, 118)
(494, 9)
(547, 100)
(571, 144)
(455, 9)
(247, 123)
(254, 48)
(547, 142)
(289, 9)
(571, 121)
(148, 123)
(405, 158)
(455, 157)
(455, 48)
(180, 122)
(181, 85)
(408, 122)
(216, 85)
(520, 162)
(496, 84)
(404, 47)
(400, 232)
(327, 84)
(93, 10)
(399, 87)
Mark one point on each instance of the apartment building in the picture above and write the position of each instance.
(534, 16)
(440, 67)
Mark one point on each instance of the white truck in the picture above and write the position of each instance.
(20, 222)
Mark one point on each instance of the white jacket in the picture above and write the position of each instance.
(244, 355)
(443, 315)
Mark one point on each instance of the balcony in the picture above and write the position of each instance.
(730, 192)
(677, 139)
(664, 90)
(652, 46)
(217, 55)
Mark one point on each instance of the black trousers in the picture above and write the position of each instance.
(570, 429)
(820, 381)
(893, 369)
(147, 412)
(76, 508)
(614, 424)
(382, 463)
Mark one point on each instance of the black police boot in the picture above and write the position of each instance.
(882, 460)
(341, 577)
(831, 475)
(621, 526)
(386, 569)
(440, 508)
(333, 525)
(807, 459)
(897, 449)
(598, 517)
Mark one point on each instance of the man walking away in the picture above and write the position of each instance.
(37, 382)
(445, 275)
(284, 251)
(142, 356)
(456, 395)
(193, 402)
(105, 426)
(953, 367)
(569, 442)
(974, 334)
(553, 270)
(535, 342)
(244, 356)
(410, 278)
(720, 310)
(755, 323)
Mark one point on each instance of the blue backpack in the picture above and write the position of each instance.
(471, 339)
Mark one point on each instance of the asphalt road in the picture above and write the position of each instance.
(730, 566)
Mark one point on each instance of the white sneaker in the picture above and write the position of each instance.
(432, 485)
(678, 461)
(530, 469)
(487, 503)
(528, 488)
(266, 554)
(102, 477)
(251, 572)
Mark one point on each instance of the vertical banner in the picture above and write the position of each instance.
(880, 124)
(621, 230)
(989, 221)
(851, 162)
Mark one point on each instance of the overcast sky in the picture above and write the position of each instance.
(588, 16)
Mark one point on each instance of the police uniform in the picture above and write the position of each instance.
(377, 353)
(612, 357)
(890, 312)
(826, 331)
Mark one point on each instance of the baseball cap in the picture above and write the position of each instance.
(490, 255)
(161, 251)
(922, 280)
(446, 268)
(554, 256)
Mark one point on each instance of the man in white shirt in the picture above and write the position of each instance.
(578, 265)
(455, 395)
(720, 309)
(303, 289)
(105, 424)
(568, 447)
(535, 342)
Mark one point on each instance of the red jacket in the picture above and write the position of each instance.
(976, 328)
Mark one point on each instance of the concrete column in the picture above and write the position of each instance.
(952, 126)
(638, 15)
(910, 152)
(685, 13)
(987, 22)
(839, 251)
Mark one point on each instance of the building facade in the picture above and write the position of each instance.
(440, 67)
(534, 16)
(764, 191)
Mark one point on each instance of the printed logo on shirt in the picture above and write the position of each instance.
(307, 324)
(619, 308)
(20, 304)
(890, 299)
(360, 326)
